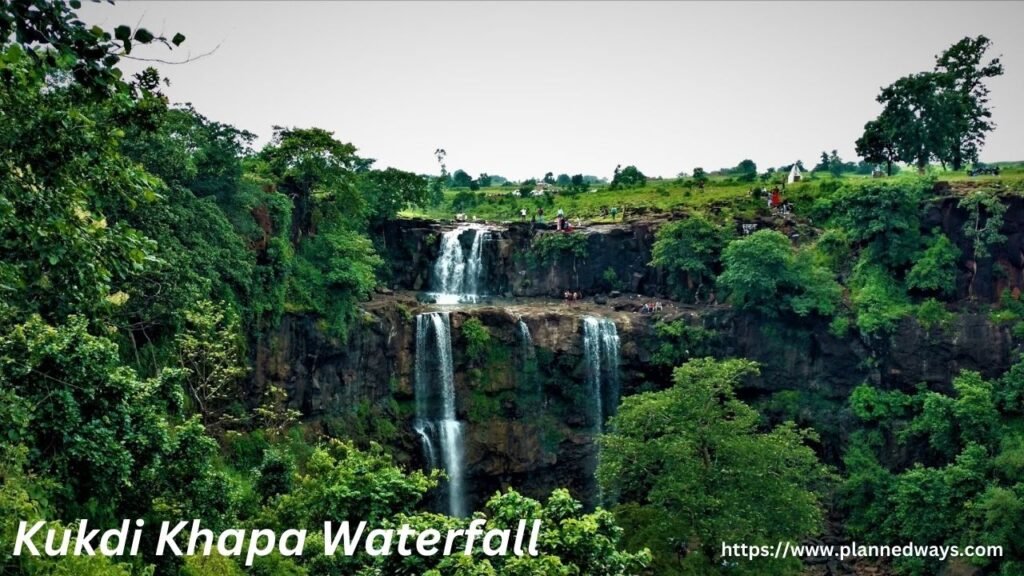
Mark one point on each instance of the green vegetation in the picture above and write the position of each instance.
(147, 251)
(689, 251)
(969, 483)
(763, 272)
(689, 467)
(478, 340)
(546, 249)
(938, 115)
(149, 255)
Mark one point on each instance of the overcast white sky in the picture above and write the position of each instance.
(522, 88)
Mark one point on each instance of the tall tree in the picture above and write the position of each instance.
(963, 72)
(942, 114)
(877, 145)
(691, 469)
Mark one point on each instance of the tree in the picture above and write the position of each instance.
(460, 179)
(549, 178)
(563, 180)
(89, 53)
(689, 251)
(964, 479)
(878, 143)
(963, 73)
(319, 173)
(690, 469)
(390, 190)
(935, 269)
(835, 164)
(628, 177)
(884, 217)
(62, 173)
(941, 114)
(484, 179)
(918, 112)
(700, 177)
(441, 154)
(984, 222)
(764, 272)
(209, 351)
(577, 184)
(745, 171)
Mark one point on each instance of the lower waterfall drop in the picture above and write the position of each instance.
(601, 353)
(436, 424)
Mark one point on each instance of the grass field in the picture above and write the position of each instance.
(722, 196)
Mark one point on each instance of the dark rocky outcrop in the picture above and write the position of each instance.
(527, 420)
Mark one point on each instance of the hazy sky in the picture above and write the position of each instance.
(522, 88)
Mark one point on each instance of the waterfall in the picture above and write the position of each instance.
(601, 354)
(528, 363)
(436, 424)
(527, 340)
(457, 276)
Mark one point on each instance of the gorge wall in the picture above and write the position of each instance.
(412, 245)
(527, 421)
(525, 409)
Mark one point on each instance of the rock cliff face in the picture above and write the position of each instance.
(512, 269)
(527, 410)
(1004, 271)
(617, 255)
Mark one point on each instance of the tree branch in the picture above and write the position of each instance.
(162, 61)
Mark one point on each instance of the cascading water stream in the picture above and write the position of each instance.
(527, 340)
(436, 424)
(457, 276)
(530, 375)
(601, 354)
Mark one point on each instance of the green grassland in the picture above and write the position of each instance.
(721, 196)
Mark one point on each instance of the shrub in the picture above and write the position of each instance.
(478, 339)
(689, 252)
(765, 273)
(548, 247)
(879, 300)
(935, 269)
(933, 314)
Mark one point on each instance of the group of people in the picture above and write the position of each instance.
(651, 307)
(571, 297)
(774, 199)
(561, 222)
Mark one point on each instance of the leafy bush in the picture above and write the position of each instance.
(679, 341)
(879, 300)
(882, 217)
(764, 272)
(547, 248)
(932, 314)
(935, 269)
(611, 279)
(478, 340)
(689, 251)
(687, 464)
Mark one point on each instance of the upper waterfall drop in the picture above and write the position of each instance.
(601, 354)
(457, 277)
(436, 423)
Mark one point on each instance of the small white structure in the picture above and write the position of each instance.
(794, 174)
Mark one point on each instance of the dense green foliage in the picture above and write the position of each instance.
(968, 486)
(689, 251)
(937, 115)
(690, 470)
(145, 251)
(764, 272)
